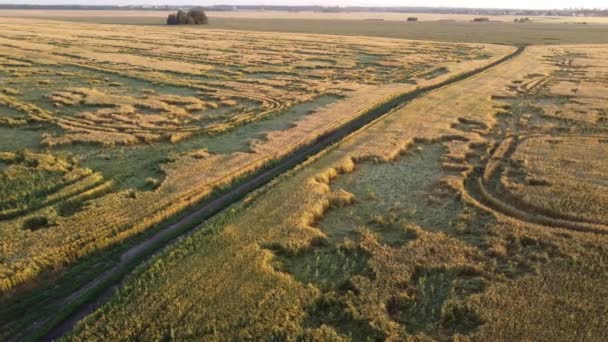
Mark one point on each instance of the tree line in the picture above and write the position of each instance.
(194, 17)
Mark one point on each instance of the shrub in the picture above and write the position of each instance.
(70, 207)
(36, 222)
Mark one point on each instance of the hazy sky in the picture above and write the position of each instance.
(446, 3)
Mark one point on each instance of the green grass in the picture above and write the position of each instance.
(16, 139)
(129, 166)
(385, 201)
(433, 307)
(326, 267)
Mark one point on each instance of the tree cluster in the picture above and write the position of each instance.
(194, 17)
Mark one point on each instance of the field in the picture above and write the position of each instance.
(108, 130)
(405, 230)
(295, 15)
(435, 27)
(465, 198)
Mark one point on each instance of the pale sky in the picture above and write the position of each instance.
(535, 4)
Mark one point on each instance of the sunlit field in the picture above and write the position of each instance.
(435, 27)
(452, 216)
(463, 197)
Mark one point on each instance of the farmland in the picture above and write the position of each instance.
(433, 27)
(153, 16)
(443, 191)
(115, 131)
(405, 230)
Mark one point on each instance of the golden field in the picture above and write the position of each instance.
(475, 212)
(195, 183)
(547, 30)
(118, 128)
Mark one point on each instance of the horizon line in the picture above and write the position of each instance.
(306, 6)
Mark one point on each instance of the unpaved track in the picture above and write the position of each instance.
(102, 286)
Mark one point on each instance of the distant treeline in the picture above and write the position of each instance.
(194, 17)
(114, 8)
(442, 10)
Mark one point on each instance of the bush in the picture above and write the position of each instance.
(70, 207)
(194, 17)
(36, 222)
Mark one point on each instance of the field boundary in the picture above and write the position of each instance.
(97, 291)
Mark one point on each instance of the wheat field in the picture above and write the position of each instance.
(125, 127)
(541, 30)
(473, 213)
(404, 231)
(471, 206)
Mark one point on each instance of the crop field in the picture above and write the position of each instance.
(433, 27)
(182, 183)
(107, 131)
(291, 15)
(395, 16)
(477, 211)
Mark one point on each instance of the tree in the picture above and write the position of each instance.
(199, 17)
(194, 17)
(172, 19)
(182, 18)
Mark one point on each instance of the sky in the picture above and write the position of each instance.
(534, 4)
